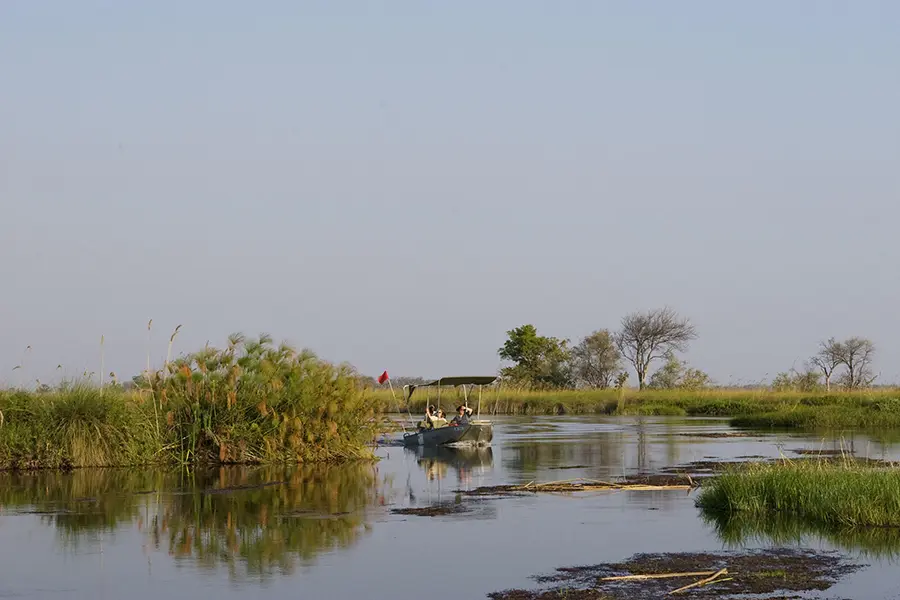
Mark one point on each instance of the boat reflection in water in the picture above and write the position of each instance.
(466, 461)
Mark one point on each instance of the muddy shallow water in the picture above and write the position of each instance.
(357, 531)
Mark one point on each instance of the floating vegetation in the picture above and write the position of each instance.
(696, 575)
(434, 510)
(633, 483)
(718, 434)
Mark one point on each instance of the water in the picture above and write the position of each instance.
(328, 532)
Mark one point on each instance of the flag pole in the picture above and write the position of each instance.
(385, 377)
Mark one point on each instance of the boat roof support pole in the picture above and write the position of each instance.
(480, 388)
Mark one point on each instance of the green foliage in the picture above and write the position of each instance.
(539, 361)
(676, 374)
(832, 494)
(256, 402)
(824, 417)
(79, 426)
(596, 361)
(749, 408)
(806, 381)
(250, 402)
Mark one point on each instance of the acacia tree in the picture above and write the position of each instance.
(649, 336)
(539, 359)
(857, 355)
(596, 360)
(828, 359)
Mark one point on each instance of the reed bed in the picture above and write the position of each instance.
(833, 494)
(761, 407)
(251, 402)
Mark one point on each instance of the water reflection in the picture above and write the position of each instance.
(437, 460)
(238, 524)
(737, 531)
(253, 521)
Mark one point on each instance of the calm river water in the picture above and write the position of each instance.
(328, 532)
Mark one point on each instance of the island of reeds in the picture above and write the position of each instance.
(250, 402)
(826, 494)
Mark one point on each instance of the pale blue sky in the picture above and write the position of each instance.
(396, 184)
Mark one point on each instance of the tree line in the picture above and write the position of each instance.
(604, 358)
(598, 360)
(847, 364)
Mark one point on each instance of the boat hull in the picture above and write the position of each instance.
(474, 434)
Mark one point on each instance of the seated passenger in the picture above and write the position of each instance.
(428, 421)
(462, 415)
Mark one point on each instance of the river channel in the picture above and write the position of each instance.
(331, 532)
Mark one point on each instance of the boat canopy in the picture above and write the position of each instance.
(455, 381)
(476, 380)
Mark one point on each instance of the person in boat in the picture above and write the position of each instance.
(462, 415)
(428, 421)
(434, 419)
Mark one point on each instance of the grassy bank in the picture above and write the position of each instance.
(249, 403)
(751, 408)
(831, 495)
(858, 413)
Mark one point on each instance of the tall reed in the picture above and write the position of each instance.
(839, 494)
(251, 402)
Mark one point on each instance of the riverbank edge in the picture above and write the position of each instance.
(751, 409)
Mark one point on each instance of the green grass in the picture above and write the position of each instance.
(251, 402)
(878, 408)
(75, 427)
(874, 415)
(835, 494)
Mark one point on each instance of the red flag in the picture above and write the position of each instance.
(383, 377)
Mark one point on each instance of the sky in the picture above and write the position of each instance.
(397, 184)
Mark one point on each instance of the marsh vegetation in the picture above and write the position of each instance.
(250, 402)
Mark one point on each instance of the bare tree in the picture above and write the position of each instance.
(595, 360)
(649, 336)
(857, 355)
(828, 359)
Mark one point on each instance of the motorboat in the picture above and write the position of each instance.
(438, 432)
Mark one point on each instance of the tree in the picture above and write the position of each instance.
(828, 359)
(596, 360)
(649, 336)
(793, 380)
(857, 354)
(668, 375)
(539, 360)
(675, 374)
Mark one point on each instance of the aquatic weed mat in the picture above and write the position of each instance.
(650, 482)
(748, 574)
(434, 510)
(473, 508)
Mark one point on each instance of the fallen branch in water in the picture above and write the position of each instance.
(702, 582)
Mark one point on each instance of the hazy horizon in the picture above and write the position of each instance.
(398, 187)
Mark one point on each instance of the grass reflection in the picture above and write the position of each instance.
(741, 530)
(254, 522)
